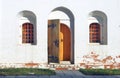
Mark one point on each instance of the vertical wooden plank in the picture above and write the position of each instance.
(53, 40)
(61, 46)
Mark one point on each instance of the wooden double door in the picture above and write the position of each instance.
(59, 42)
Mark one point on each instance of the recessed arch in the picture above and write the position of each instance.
(100, 18)
(67, 18)
(27, 18)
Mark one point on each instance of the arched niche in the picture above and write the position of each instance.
(100, 18)
(64, 16)
(27, 17)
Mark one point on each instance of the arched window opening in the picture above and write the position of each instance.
(27, 33)
(28, 29)
(94, 33)
(97, 23)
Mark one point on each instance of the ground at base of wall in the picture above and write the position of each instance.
(25, 71)
(100, 71)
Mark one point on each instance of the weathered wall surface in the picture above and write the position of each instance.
(12, 51)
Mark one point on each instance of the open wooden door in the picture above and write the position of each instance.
(59, 42)
(65, 43)
(53, 41)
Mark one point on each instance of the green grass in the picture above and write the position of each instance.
(26, 71)
(100, 71)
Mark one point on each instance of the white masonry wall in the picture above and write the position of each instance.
(11, 51)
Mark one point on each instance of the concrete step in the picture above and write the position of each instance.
(63, 66)
(65, 62)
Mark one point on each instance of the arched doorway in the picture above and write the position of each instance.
(60, 44)
(65, 43)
